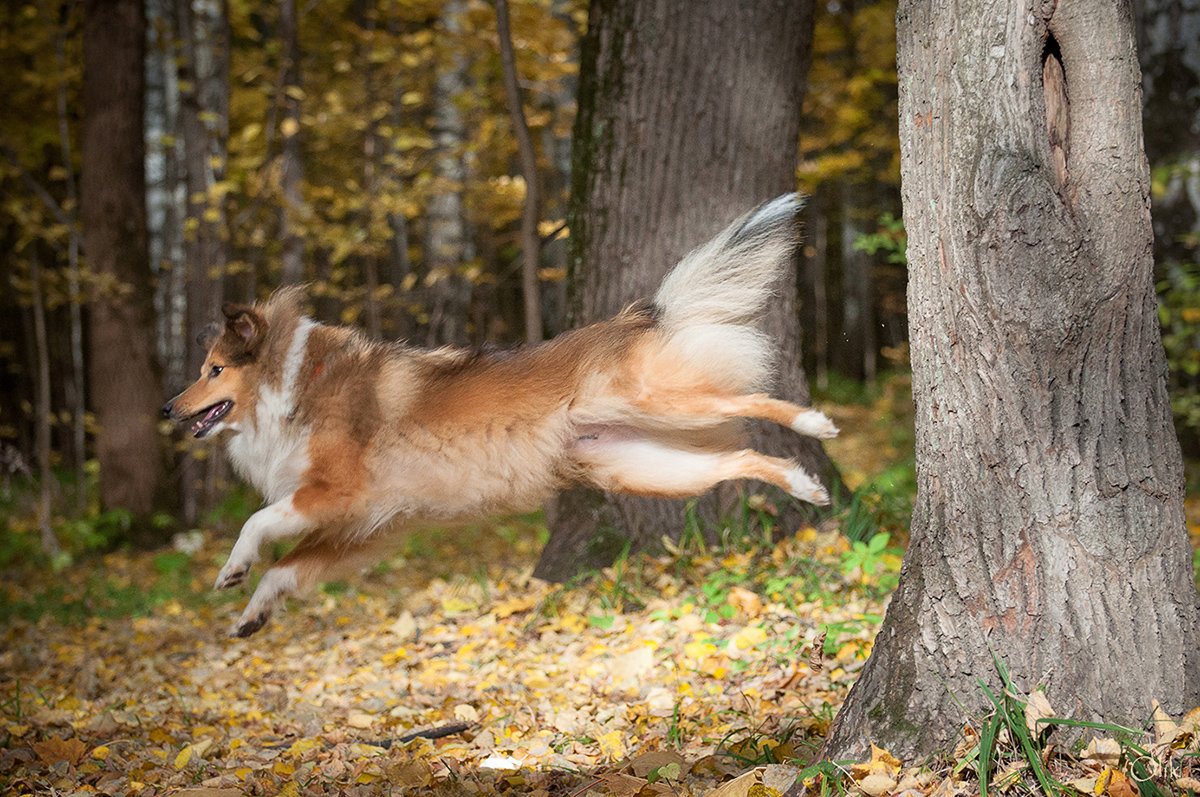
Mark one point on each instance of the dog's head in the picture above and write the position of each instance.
(219, 399)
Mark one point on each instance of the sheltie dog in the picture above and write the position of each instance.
(346, 438)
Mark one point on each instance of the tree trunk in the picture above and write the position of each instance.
(125, 389)
(448, 244)
(689, 114)
(76, 391)
(1048, 529)
(42, 410)
(531, 244)
(291, 178)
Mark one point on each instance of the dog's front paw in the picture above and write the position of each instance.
(232, 574)
(249, 624)
(814, 423)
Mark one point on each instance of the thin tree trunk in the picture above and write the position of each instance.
(76, 391)
(291, 166)
(689, 114)
(373, 147)
(123, 372)
(531, 244)
(1048, 529)
(448, 245)
(42, 411)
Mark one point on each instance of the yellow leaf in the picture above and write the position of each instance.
(611, 745)
(882, 763)
(514, 606)
(302, 746)
(282, 768)
(289, 127)
(192, 751)
(457, 605)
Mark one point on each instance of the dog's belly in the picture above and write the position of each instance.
(492, 470)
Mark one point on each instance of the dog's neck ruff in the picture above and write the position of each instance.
(270, 452)
(295, 358)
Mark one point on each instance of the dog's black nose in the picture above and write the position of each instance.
(170, 405)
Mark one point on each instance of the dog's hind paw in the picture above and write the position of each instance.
(806, 488)
(814, 423)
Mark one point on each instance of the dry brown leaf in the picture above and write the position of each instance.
(876, 784)
(740, 786)
(1038, 708)
(1104, 751)
(642, 765)
(53, 750)
(1165, 728)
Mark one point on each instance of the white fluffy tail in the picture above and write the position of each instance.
(711, 301)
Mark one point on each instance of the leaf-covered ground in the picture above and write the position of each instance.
(545, 687)
(691, 673)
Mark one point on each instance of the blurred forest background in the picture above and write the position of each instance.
(366, 147)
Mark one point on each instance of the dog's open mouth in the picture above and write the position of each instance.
(202, 422)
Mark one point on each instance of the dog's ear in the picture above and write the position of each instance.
(247, 328)
(208, 336)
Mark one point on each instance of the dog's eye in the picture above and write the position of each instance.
(216, 371)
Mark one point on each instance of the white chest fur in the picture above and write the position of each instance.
(270, 451)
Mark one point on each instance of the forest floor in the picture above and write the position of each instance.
(691, 673)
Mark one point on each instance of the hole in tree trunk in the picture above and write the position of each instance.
(1058, 111)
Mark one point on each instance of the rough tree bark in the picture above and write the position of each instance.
(125, 389)
(1048, 526)
(689, 114)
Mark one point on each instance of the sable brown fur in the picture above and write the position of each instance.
(349, 438)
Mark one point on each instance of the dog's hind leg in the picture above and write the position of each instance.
(619, 461)
(321, 556)
(679, 410)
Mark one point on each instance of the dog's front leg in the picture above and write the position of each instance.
(322, 555)
(277, 521)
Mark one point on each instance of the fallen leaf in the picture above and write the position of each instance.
(876, 784)
(53, 750)
(1165, 728)
(358, 719)
(882, 763)
(740, 786)
(1105, 751)
(745, 601)
(641, 765)
(612, 745)
(1038, 708)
